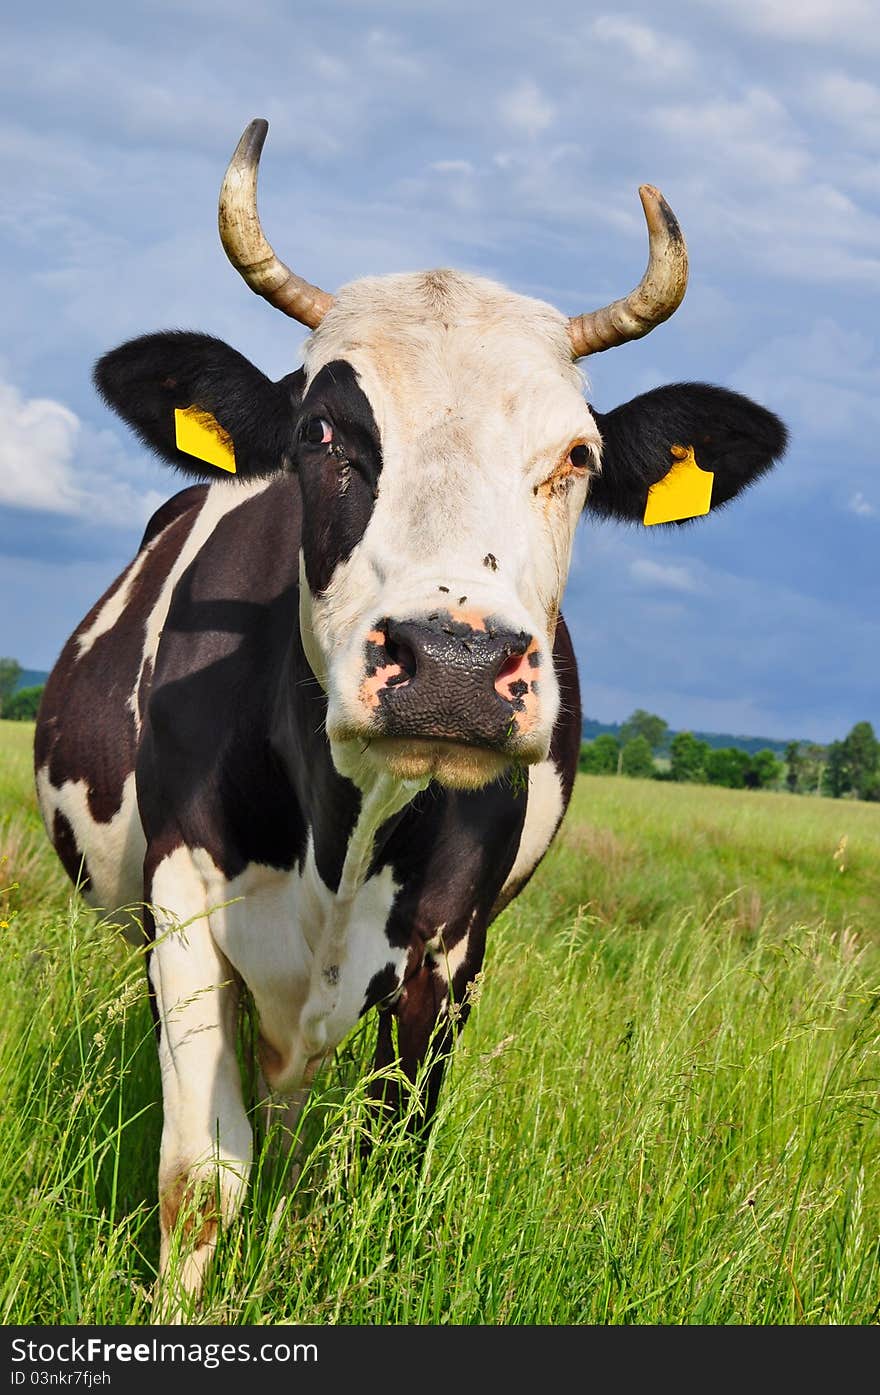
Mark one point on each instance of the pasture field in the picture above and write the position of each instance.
(664, 1109)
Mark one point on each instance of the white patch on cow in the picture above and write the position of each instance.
(386, 798)
(477, 403)
(435, 943)
(543, 812)
(449, 961)
(206, 1136)
(308, 954)
(114, 607)
(113, 851)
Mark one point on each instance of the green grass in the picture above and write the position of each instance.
(664, 1108)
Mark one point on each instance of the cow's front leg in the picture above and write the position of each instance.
(206, 1137)
(433, 1005)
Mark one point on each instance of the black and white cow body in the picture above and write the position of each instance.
(296, 732)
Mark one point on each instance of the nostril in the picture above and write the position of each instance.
(513, 679)
(401, 654)
(509, 668)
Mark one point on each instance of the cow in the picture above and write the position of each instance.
(326, 724)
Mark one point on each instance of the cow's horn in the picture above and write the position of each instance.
(655, 298)
(246, 245)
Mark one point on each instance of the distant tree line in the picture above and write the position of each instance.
(852, 766)
(18, 706)
(645, 749)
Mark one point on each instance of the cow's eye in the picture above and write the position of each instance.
(317, 431)
(579, 457)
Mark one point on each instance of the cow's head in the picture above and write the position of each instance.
(445, 451)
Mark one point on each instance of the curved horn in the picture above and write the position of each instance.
(655, 298)
(246, 246)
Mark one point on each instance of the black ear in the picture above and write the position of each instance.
(731, 436)
(242, 417)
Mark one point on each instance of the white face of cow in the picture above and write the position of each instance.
(445, 449)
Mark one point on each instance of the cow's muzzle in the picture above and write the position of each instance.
(452, 677)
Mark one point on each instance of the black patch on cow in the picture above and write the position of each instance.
(565, 743)
(206, 768)
(234, 757)
(144, 687)
(731, 436)
(381, 986)
(85, 728)
(340, 481)
(376, 656)
(147, 378)
(72, 859)
(450, 853)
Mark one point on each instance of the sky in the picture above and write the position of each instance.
(509, 140)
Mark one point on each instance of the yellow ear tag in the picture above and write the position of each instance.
(198, 433)
(685, 492)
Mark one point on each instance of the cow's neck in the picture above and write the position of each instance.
(379, 805)
(349, 820)
(348, 823)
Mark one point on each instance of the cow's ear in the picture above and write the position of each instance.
(200, 405)
(679, 451)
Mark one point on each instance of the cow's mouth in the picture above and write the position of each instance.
(450, 763)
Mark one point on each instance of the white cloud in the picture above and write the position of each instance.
(666, 576)
(185, 97)
(452, 167)
(388, 55)
(37, 440)
(853, 103)
(526, 111)
(50, 463)
(657, 55)
(847, 23)
(752, 135)
(859, 504)
(826, 379)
